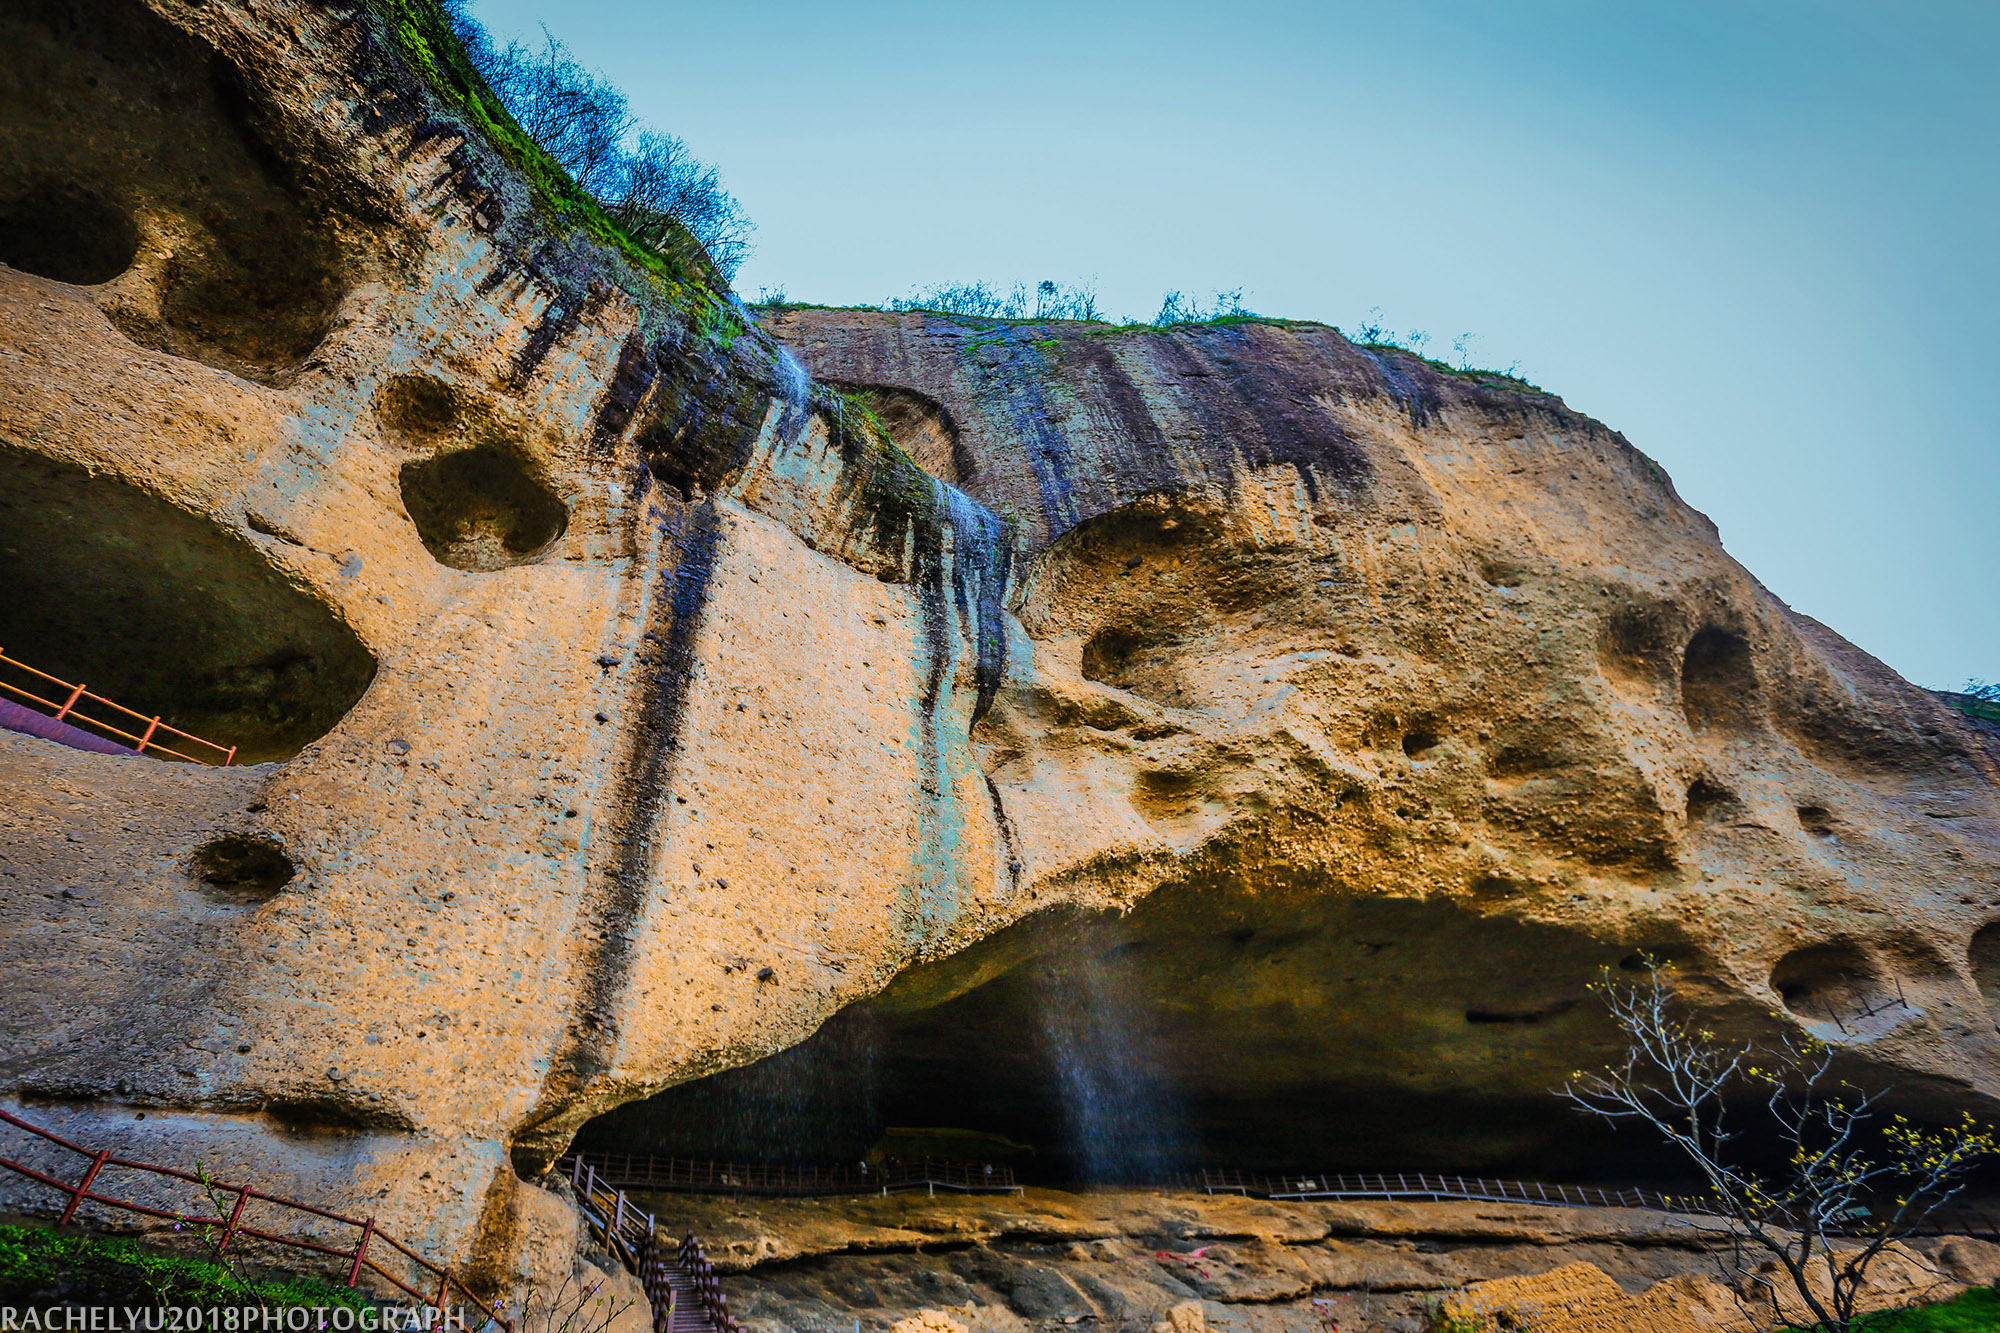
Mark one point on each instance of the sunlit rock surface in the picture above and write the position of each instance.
(1136, 1261)
(1215, 743)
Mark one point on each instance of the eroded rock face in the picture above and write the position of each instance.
(606, 697)
(625, 707)
(1388, 707)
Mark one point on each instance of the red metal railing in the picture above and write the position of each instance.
(144, 741)
(226, 1231)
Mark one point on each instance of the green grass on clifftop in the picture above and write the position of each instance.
(42, 1266)
(425, 38)
(1977, 1311)
(1493, 379)
(1973, 705)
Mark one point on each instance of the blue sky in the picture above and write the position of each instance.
(1757, 237)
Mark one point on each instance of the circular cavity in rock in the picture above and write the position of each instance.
(244, 867)
(420, 407)
(1708, 800)
(114, 115)
(1828, 983)
(1718, 681)
(481, 508)
(165, 612)
(58, 230)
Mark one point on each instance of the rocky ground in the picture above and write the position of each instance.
(1129, 1259)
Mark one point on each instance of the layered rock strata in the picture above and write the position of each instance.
(1128, 1262)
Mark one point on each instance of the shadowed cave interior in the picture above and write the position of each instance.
(165, 612)
(1278, 1030)
(474, 494)
(481, 509)
(133, 157)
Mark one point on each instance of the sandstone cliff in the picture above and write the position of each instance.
(623, 705)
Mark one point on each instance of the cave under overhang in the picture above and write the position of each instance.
(1280, 1026)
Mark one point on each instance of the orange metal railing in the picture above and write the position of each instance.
(144, 742)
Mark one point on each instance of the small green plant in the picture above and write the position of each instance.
(1976, 1311)
(214, 1237)
(1978, 699)
(861, 403)
(40, 1265)
(721, 325)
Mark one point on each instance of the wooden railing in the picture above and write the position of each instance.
(683, 1175)
(226, 1228)
(147, 740)
(1953, 1221)
(633, 1238)
(1308, 1185)
(707, 1285)
(617, 1221)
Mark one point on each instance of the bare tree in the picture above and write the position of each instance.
(659, 184)
(1851, 1184)
(647, 181)
(967, 298)
(579, 116)
(1178, 307)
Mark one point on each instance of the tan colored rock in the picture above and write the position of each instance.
(1393, 705)
(1186, 1317)
(1976, 1263)
(1577, 1298)
(620, 709)
(928, 1321)
(1011, 1263)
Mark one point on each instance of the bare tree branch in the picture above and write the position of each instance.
(1846, 1176)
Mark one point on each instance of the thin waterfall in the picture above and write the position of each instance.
(816, 1102)
(795, 386)
(1121, 1109)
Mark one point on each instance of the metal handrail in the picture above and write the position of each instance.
(1334, 1185)
(81, 1191)
(66, 711)
(694, 1176)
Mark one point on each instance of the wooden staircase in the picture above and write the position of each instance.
(681, 1284)
(677, 1303)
